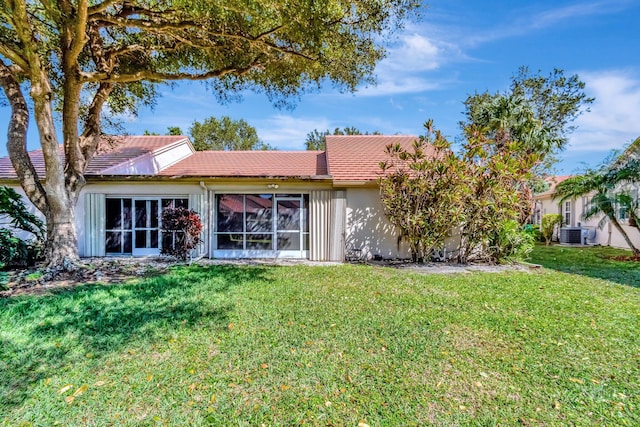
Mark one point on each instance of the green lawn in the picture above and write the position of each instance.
(594, 262)
(329, 345)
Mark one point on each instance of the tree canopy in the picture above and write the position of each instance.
(316, 140)
(225, 134)
(537, 112)
(73, 58)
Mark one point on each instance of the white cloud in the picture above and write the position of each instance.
(409, 63)
(287, 132)
(614, 119)
(546, 18)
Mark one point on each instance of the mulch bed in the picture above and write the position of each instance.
(630, 258)
(31, 281)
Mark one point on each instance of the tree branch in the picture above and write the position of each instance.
(17, 140)
(101, 7)
(159, 76)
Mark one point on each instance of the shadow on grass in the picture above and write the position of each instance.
(41, 334)
(596, 262)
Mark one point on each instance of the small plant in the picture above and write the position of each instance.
(513, 242)
(16, 251)
(181, 230)
(549, 224)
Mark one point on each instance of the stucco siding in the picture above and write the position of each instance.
(368, 229)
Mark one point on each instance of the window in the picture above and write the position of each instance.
(263, 222)
(138, 236)
(118, 226)
(567, 213)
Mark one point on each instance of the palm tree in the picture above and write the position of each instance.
(601, 184)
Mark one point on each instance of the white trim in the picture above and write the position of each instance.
(234, 254)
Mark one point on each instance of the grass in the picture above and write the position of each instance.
(327, 345)
(596, 262)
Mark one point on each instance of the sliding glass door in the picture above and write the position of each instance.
(261, 226)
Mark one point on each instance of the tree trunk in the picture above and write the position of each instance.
(616, 224)
(61, 249)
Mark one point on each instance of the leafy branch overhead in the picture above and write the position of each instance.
(80, 58)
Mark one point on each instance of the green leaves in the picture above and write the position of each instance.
(225, 134)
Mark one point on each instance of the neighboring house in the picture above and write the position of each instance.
(253, 204)
(572, 216)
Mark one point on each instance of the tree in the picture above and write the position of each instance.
(75, 57)
(225, 134)
(537, 111)
(316, 140)
(174, 130)
(498, 195)
(422, 191)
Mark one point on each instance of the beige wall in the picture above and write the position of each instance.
(128, 189)
(368, 229)
(605, 236)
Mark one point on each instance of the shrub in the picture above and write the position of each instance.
(14, 251)
(549, 224)
(513, 242)
(181, 230)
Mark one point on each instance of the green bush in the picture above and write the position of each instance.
(16, 252)
(534, 231)
(549, 224)
(513, 242)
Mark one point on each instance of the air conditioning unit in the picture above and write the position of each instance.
(571, 235)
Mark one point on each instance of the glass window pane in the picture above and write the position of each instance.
(305, 213)
(167, 203)
(113, 214)
(153, 213)
(153, 234)
(141, 239)
(127, 244)
(260, 241)
(141, 214)
(113, 242)
(288, 241)
(126, 214)
(230, 212)
(230, 241)
(259, 212)
(181, 203)
(288, 215)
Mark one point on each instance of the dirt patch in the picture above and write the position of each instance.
(630, 258)
(452, 268)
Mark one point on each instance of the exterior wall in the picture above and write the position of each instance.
(608, 235)
(132, 189)
(368, 229)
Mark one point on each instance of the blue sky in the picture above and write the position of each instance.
(458, 47)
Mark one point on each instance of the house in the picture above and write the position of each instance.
(572, 217)
(253, 204)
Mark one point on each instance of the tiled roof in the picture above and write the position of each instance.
(114, 150)
(358, 157)
(251, 164)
